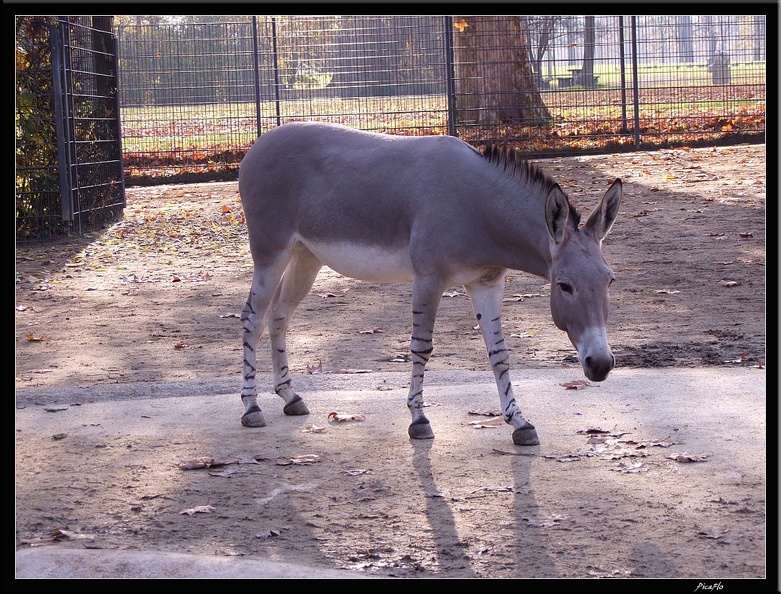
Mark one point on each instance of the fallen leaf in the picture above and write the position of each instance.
(372, 331)
(688, 457)
(630, 468)
(32, 338)
(332, 294)
(730, 283)
(345, 417)
(267, 534)
(506, 453)
(745, 235)
(666, 291)
(527, 334)
(311, 370)
(576, 385)
(313, 429)
(712, 535)
(303, 459)
(651, 444)
(592, 430)
(200, 509)
(485, 413)
(56, 536)
(488, 423)
(205, 462)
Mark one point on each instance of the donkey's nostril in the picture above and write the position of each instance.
(599, 368)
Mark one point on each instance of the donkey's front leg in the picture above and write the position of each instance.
(487, 303)
(426, 295)
(265, 280)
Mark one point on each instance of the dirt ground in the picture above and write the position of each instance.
(157, 297)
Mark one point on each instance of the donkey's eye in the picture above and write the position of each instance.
(566, 287)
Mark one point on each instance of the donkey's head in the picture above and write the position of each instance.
(580, 277)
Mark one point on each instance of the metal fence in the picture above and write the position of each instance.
(195, 95)
(69, 174)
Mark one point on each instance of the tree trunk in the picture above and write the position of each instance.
(589, 42)
(494, 78)
(683, 31)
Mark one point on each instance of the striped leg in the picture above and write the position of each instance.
(487, 304)
(426, 295)
(253, 319)
(296, 282)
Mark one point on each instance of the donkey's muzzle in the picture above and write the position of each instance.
(598, 368)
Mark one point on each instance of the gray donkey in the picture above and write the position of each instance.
(429, 209)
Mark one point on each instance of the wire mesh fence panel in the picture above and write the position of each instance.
(68, 151)
(187, 94)
(91, 115)
(698, 77)
(196, 95)
(383, 73)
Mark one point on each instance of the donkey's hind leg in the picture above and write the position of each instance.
(265, 280)
(296, 282)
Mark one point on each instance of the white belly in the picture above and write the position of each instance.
(367, 263)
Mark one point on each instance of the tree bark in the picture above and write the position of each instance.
(494, 79)
(589, 42)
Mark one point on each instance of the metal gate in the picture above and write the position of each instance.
(67, 84)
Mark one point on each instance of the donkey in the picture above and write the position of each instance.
(433, 210)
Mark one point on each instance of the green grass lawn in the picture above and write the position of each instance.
(671, 91)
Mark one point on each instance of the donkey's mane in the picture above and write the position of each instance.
(525, 172)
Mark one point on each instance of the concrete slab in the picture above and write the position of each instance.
(654, 398)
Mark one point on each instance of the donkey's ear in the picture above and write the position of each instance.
(556, 214)
(601, 220)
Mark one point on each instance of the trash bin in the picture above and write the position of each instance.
(718, 66)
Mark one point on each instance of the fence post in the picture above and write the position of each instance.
(257, 73)
(450, 78)
(635, 82)
(276, 67)
(623, 74)
(66, 207)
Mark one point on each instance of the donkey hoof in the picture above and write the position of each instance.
(296, 407)
(421, 430)
(526, 436)
(253, 418)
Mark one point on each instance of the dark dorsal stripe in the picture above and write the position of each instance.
(525, 172)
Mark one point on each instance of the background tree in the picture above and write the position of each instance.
(494, 77)
(539, 37)
(589, 47)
